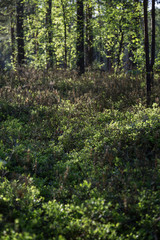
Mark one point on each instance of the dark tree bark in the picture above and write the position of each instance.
(153, 39)
(20, 32)
(89, 36)
(65, 34)
(80, 37)
(49, 34)
(146, 42)
(100, 57)
(13, 39)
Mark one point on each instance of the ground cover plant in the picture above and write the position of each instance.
(79, 157)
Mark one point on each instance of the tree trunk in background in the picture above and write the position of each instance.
(80, 37)
(100, 57)
(65, 33)
(13, 39)
(153, 41)
(136, 26)
(146, 42)
(49, 34)
(20, 32)
(89, 35)
(120, 47)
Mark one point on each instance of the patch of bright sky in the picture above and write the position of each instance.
(157, 5)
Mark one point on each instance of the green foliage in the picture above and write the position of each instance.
(117, 34)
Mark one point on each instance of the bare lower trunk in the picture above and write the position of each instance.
(49, 34)
(80, 37)
(146, 39)
(20, 32)
(13, 40)
(153, 41)
(65, 34)
(89, 36)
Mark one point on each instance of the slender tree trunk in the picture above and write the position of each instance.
(146, 42)
(135, 28)
(89, 35)
(65, 33)
(120, 46)
(100, 57)
(153, 40)
(20, 32)
(49, 34)
(80, 37)
(13, 38)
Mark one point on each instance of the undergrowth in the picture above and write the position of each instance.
(79, 157)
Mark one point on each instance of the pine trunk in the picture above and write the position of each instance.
(146, 41)
(80, 37)
(20, 32)
(49, 34)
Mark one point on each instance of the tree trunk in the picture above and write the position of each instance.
(153, 41)
(80, 37)
(20, 32)
(13, 39)
(100, 57)
(65, 33)
(120, 47)
(89, 35)
(49, 34)
(146, 42)
(135, 28)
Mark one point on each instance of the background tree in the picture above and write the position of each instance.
(20, 32)
(13, 36)
(80, 36)
(64, 7)
(153, 39)
(89, 34)
(149, 64)
(49, 34)
(7, 32)
(60, 32)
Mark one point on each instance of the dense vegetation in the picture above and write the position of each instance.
(79, 120)
(79, 157)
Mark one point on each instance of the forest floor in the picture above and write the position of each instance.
(79, 157)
